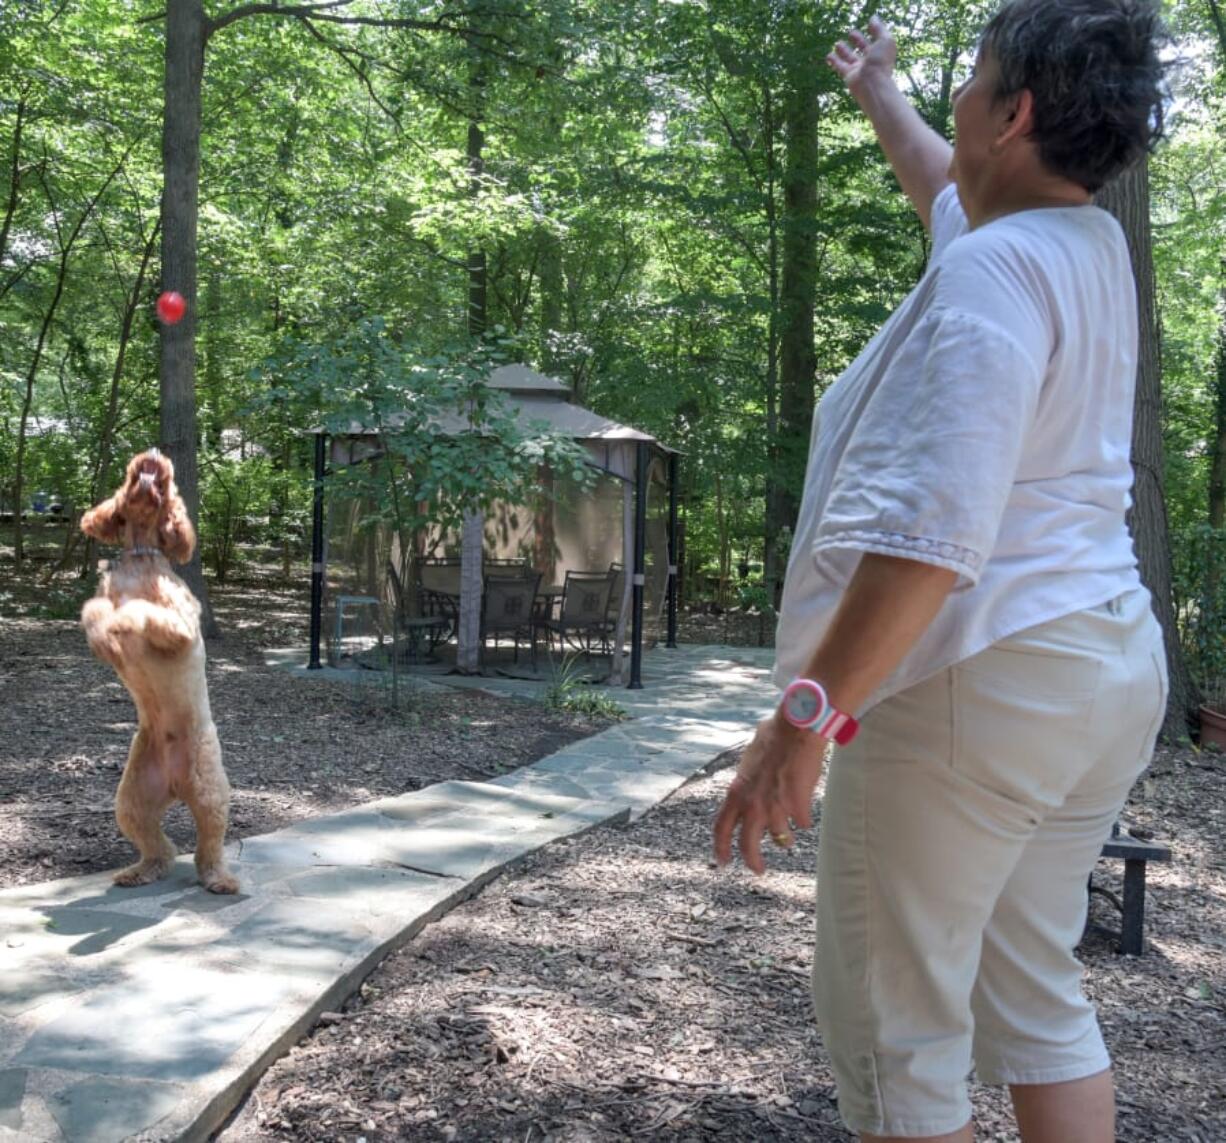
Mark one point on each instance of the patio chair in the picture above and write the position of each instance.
(584, 615)
(433, 628)
(438, 587)
(505, 569)
(507, 608)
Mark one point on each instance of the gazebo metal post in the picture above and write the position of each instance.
(317, 553)
(640, 565)
(672, 550)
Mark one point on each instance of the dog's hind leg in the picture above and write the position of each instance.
(140, 803)
(208, 798)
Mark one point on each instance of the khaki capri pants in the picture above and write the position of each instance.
(957, 835)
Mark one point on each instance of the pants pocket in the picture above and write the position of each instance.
(1020, 721)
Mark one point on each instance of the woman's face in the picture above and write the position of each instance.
(978, 120)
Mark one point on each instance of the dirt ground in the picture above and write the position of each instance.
(292, 747)
(613, 987)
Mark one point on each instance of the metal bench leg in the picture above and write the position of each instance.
(1132, 926)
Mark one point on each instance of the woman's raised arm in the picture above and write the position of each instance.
(920, 157)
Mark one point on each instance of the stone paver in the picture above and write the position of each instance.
(149, 1012)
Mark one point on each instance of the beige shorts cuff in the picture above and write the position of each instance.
(999, 1075)
(904, 1128)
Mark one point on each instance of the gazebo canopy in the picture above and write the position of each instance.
(534, 398)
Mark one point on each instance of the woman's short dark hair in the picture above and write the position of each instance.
(1093, 69)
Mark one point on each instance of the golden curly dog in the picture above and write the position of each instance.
(145, 622)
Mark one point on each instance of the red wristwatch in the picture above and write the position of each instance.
(806, 706)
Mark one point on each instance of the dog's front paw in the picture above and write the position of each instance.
(219, 880)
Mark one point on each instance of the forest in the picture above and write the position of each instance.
(674, 207)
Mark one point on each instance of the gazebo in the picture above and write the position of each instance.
(626, 515)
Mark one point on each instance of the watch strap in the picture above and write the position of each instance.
(839, 727)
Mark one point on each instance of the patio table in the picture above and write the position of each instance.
(547, 600)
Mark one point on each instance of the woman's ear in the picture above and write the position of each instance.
(175, 531)
(104, 522)
(1018, 122)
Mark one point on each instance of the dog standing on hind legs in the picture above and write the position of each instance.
(145, 622)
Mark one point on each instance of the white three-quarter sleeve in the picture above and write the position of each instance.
(934, 452)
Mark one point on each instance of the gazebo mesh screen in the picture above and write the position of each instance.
(570, 527)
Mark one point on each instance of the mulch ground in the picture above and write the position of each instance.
(618, 986)
(615, 986)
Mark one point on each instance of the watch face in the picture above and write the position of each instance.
(803, 705)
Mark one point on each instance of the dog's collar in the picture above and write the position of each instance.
(142, 551)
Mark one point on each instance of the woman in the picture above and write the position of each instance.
(963, 579)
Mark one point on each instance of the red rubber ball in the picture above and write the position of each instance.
(171, 306)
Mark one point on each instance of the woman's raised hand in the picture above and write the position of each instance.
(867, 57)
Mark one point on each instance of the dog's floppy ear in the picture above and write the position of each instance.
(104, 522)
(175, 531)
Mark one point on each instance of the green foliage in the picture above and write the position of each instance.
(755, 597)
(1198, 555)
(242, 502)
(567, 691)
(438, 441)
(629, 210)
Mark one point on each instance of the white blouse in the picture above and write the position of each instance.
(986, 429)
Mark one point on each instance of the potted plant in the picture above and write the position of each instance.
(1213, 714)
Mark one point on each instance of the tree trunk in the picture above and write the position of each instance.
(210, 338)
(544, 539)
(953, 49)
(798, 357)
(1217, 469)
(477, 276)
(27, 401)
(552, 287)
(468, 635)
(1218, 19)
(1127, 197)
(185, 37)
(776, 511)
(725, 542)
(10, 207)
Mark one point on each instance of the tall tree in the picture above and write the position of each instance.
(1218, 20)
(468, 636)
(16, 174)
(1217, 446)
(1217, 472)
(1127, 197)
(66, 237)
(186, 33)
(798, 354)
